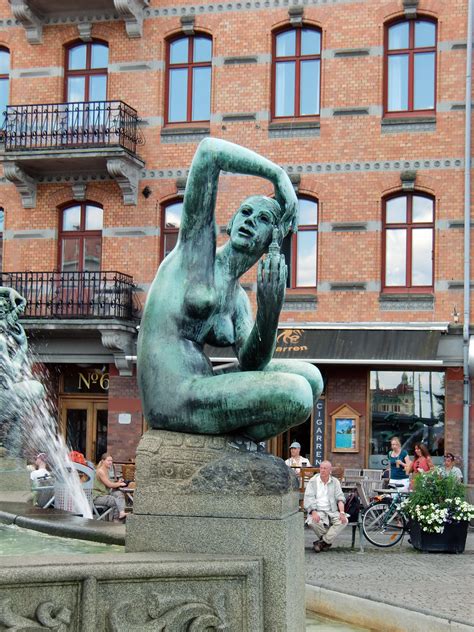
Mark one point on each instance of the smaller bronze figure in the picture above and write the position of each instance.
(17, 388)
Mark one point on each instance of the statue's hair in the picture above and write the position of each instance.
(272, 205)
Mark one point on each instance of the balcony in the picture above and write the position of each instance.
(72, 142)
(78, 316)
(96, 295)
(33, 15)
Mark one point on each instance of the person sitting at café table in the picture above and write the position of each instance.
(41, 470)
(106, 493)
(449, 467)
(324, 501)
(296, 460)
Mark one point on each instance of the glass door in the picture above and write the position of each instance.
(84, 426)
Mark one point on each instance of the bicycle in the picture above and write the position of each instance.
(383, 523)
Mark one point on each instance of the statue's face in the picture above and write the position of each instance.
(5, 306)
(252, 227)
(10, 302)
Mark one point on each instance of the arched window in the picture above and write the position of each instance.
(301, 249)
(171, 214)
(4, 82)
(408, 234)
(86, 72)
(188, 79)
(80, 237)
(410, 66)
(296, 72)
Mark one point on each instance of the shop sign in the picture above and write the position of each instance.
(318, 432)
(290, 340)
(85, 381)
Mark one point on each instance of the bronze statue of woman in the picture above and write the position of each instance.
(196, 298)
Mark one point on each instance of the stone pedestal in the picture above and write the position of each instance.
(198, 494)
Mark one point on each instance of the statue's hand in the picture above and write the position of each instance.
(271, 284)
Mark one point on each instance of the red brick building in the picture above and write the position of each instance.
(362, 101)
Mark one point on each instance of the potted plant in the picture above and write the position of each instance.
(438, 513)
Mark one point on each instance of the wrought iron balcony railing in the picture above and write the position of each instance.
(71, 125)
(92, 295)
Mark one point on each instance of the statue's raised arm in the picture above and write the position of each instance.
(214, 155)
(196, 298)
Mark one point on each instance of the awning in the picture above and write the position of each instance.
(352, 346)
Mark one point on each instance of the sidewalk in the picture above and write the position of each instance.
(440, 585)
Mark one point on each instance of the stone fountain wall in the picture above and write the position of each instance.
(131, 593)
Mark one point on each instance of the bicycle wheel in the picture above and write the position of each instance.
(382, 524)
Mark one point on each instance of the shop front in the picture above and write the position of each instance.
(378, 382)
(83, 409)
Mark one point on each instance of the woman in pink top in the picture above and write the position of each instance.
(422, 461)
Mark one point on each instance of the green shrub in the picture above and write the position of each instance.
(437, 500)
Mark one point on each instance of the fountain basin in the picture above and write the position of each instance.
(16, 540)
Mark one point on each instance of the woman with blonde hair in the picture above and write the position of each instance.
(399, 461)
(106, 493)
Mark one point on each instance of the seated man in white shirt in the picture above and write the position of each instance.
(324, 502)
(295, 460)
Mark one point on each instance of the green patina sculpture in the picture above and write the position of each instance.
(196, 299)
(17, 388)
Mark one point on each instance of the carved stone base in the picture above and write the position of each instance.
(198, 494)
(130, 593)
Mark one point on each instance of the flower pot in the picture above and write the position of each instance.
(452, 540)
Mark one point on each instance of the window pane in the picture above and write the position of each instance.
(397, 83)
(306, 258)
(285, 89)
(410, 405)
(396, 210)
(70, 255)
(2, 219)
(99, 56)
(396, 257)
(98, 88)
(179, 51)
(425, 34)
(307, 212)
(286, 44)
(422, 209)
(398, 36)
(202, 49)
(72, 218)
(76, 89)
(424, 81)
(173, 214)
(4, 62)
(94, 218)
(310, 42)
(77, 57)
(92, 254)
(422, 256)
(3, 96)
(170, 243)
(286, 252)
(178, 94)
(201, 94)
(309, 87)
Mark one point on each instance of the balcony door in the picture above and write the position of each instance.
(84, 426)
(80, 255)
(86, 92)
